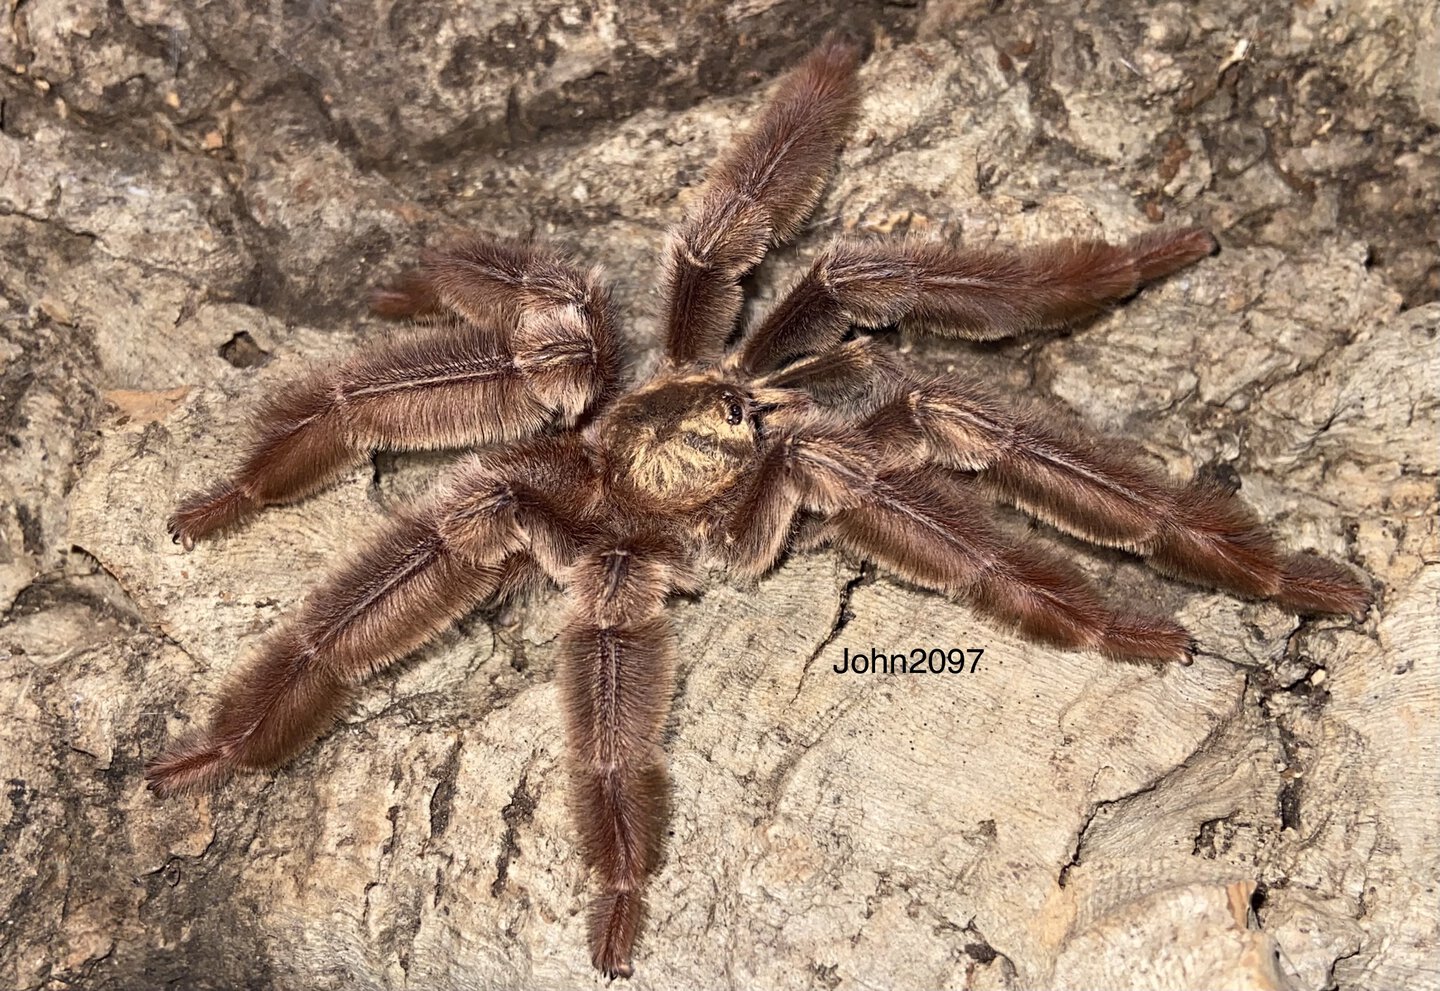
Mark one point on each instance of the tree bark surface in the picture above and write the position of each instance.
(194, 200)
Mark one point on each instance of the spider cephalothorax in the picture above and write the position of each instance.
(622, 498)
(680, 441)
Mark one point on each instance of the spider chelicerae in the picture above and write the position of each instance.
(624, 495)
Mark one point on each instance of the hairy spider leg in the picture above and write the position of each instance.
(617, 682)
(517, 339)
(958, 292)
(922, 524)
(502, 525)
(1093, 488)
(758, 193)
(1084, 484)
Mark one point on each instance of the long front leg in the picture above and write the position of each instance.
(504, 524)
(928, 528)
(617, 680)
(759, 192)
(1089, 486)
(518, 339)
(936, 533)
(959, 292)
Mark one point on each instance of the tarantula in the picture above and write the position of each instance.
(623, 496)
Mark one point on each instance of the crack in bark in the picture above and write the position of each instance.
(1179, 767)
(59, 225)
(843, 615)
(442, 799)
(984, 953)
(519, 812)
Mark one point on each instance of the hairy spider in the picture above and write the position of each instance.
(623, 496)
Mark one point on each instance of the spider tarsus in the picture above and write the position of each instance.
(614, 924)
(201, 515)
(1149, 638)
(1313, 584)
(193, 764)
(1160, 253)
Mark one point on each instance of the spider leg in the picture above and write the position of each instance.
(757, 194)
(1090, 487)
(934, 533)
(853, 376)
(518, 339)
(617, 679)
(493, 534)
(918, 522)
(958, 292)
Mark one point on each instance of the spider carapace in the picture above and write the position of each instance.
(624, 496)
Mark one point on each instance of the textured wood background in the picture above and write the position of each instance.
(193, 199)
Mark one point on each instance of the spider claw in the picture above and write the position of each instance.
(178, 534)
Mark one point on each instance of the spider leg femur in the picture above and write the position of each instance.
(503, 525)
(758, 193)
(518, 339)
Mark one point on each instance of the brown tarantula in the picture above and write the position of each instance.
(623, 496)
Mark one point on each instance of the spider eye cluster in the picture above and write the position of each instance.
(734, 409)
